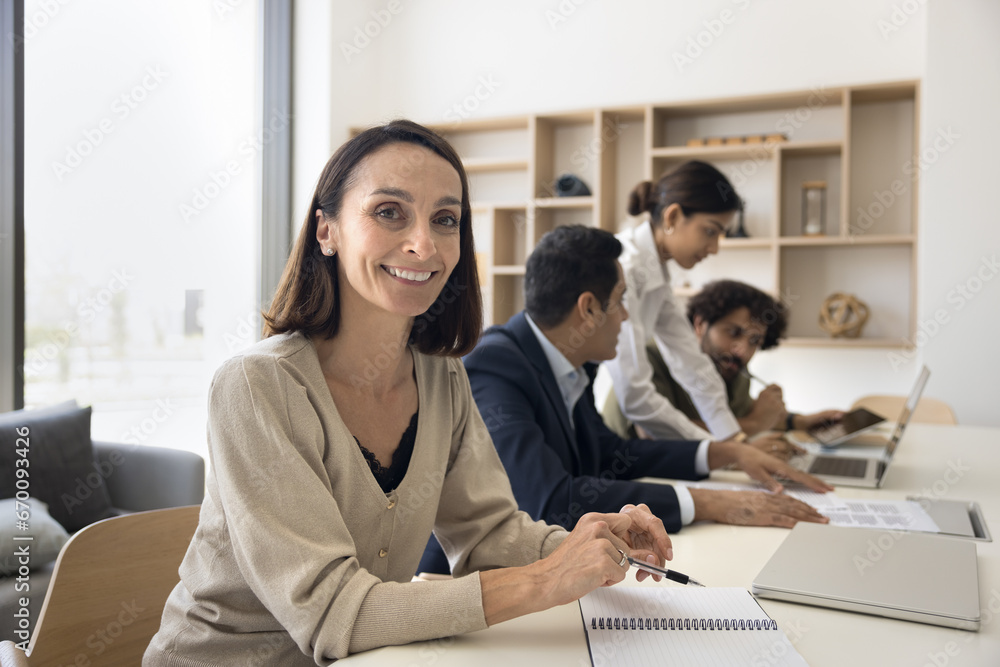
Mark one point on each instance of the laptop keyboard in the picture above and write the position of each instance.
(839, 466)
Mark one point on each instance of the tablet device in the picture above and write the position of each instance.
(853, 423)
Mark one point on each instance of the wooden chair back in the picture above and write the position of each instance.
(109, 587)
(929, 410)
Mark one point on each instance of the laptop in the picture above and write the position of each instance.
(911, 576)
(863, 471)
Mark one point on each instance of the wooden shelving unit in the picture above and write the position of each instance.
(861, 140)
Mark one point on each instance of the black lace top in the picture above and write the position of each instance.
(389, 478)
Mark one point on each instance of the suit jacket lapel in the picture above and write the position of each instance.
(521, 331)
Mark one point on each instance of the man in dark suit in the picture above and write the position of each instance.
(532, 381)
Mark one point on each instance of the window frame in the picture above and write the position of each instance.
(275, 77)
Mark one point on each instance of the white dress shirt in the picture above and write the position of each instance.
(655, 313)
(573, 382)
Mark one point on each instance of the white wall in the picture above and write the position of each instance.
(420, 59)
(960, 222)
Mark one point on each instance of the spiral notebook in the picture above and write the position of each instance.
(664, 625)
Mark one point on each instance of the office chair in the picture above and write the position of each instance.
(108, 589)
(929, 410)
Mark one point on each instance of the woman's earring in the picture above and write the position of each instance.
(670, 230)
(329, 251)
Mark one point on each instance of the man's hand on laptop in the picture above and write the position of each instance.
(761, 466)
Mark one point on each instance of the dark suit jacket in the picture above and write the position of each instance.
(558, 473)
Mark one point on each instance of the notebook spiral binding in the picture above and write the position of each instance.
(627, 623)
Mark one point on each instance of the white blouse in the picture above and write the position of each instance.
(655, 313)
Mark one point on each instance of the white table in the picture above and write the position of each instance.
(961, 463)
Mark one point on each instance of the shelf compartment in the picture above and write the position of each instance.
(510, 236)
(879, 275)
(755, 181)
(747, 263)
(547, 219)
(507, 296)
(565, 144)
(821, 161)
(815, 115)
(884, 170)
(504, 188)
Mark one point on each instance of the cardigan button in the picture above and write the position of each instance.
(392, 503)
(383, 553)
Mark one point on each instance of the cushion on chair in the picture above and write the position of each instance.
(61, 463)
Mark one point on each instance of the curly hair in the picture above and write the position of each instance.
(721, 297)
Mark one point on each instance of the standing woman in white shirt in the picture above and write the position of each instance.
(689, 208)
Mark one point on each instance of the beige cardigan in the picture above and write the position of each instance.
(299, 557)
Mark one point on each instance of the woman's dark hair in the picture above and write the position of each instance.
(307, 297)
(721, 297)
(567, 262)
(697, 186)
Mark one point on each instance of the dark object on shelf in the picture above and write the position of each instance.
(569, 185)
(740, 231)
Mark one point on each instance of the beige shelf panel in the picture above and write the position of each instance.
(509, 270)
(862, 342)
(478, 165)
(836, 241)
(564, 202)
(738, 243)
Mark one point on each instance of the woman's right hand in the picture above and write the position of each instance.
(589, 557)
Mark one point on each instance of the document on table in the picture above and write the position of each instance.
(640, 626)
(885, 514)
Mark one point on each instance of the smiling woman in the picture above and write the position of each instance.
(341, 441)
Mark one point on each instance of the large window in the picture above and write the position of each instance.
(142, 207)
